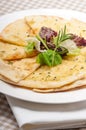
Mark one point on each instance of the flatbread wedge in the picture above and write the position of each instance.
(26, 72)
(77, 27)
(72, 86)
(80, 83)
(71, 69)
(18, 69)
(58, 77)
(56, 23)
(14, 52)
(16, 33)
(38, 21)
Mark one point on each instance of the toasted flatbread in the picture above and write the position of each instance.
(71, 73)
(3, 78)
(56, 23)
(38, 21)
(80, 83)
(16, 33)
(27, 72)
(14, 52)
(73, 86)
(56, 77)
(18, 69)
(76, 27)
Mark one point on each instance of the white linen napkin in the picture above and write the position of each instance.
(37, 116)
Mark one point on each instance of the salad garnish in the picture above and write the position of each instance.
(52, 46)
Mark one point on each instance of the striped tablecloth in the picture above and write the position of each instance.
(7, 120)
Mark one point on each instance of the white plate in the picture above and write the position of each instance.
(53, 98)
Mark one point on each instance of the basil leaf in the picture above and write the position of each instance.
(30, 47)
(49, 57)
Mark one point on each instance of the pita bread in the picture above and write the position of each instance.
(56, 23)
(18, 70)
(76, 84)
(73, 86)
(48, 84)
(72, 69)
(70, 74)
(56, 77)
(38, 21)
(76, 27)
(7, 80)
(26, 72)
(14, 52)
(16, 33)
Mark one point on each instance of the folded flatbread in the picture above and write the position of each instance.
(74, 86)
(56, 23)
(16, 33)
(27, 72)
(13, 52)
(53, 22)
(70, 74)
(80, 83)
(58, 76)
(76, 27)
(18, 69)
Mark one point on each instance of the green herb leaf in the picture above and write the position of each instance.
(30, 47)
(62, 36)
(42, 41)
(49, 57)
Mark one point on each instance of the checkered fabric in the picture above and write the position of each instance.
(7, 6)
(7, 120)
